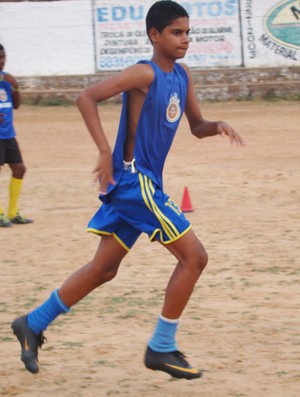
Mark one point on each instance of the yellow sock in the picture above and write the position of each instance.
(14, 193)
(1, 209)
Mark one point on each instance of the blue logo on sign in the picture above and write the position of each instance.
(120, 13)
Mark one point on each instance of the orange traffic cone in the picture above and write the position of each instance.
(186, 205)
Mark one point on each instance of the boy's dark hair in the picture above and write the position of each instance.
(1, 48)
(162, 14)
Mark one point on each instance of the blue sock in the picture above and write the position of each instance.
(39, 319)
(163, 339)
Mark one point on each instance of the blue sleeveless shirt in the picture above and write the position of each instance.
(160, 115)
(6, 108)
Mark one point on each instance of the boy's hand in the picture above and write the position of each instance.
(104, 172)
(225, 129)
(10, 79)
(1, 118)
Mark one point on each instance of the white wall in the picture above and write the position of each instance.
(48, 38)
(58, 38)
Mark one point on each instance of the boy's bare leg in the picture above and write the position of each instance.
(29, 328)
(162, 353)
(192, 259)
(103, 267)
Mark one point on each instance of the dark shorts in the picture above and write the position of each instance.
(10, 152)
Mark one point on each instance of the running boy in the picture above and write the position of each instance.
(155, 94)
(9, 148)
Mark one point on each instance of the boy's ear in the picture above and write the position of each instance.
(153, 35)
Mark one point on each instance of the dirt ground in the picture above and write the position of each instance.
(242, 324)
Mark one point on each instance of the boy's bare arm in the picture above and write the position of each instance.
(134, 77)
(15, 90)
(207, 128)
(202, 128)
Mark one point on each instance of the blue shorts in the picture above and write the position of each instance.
(137, 205)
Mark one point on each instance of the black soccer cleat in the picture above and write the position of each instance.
(173, 363)
(20, 220)
(29, 341)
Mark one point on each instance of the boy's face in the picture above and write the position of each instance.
(174, 40)
(2, 59)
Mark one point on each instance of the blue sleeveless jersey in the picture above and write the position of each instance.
(7, 130)
(160, 115)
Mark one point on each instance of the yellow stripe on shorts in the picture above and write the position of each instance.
(146, 189)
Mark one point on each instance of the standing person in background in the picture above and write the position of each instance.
(9, 149)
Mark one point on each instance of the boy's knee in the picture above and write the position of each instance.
(109, 274)
(199, 261)
(202, 260)
(18, 170)
(102, 274)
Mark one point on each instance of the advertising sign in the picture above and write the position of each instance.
(271, 32)
(121, 37)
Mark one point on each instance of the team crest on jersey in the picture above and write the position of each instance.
(173, 110)
(3, 95)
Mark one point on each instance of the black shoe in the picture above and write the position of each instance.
(173, 363)
(4, 221)
(20, 220)
(29, 341)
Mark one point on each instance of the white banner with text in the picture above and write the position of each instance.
(121, 37)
